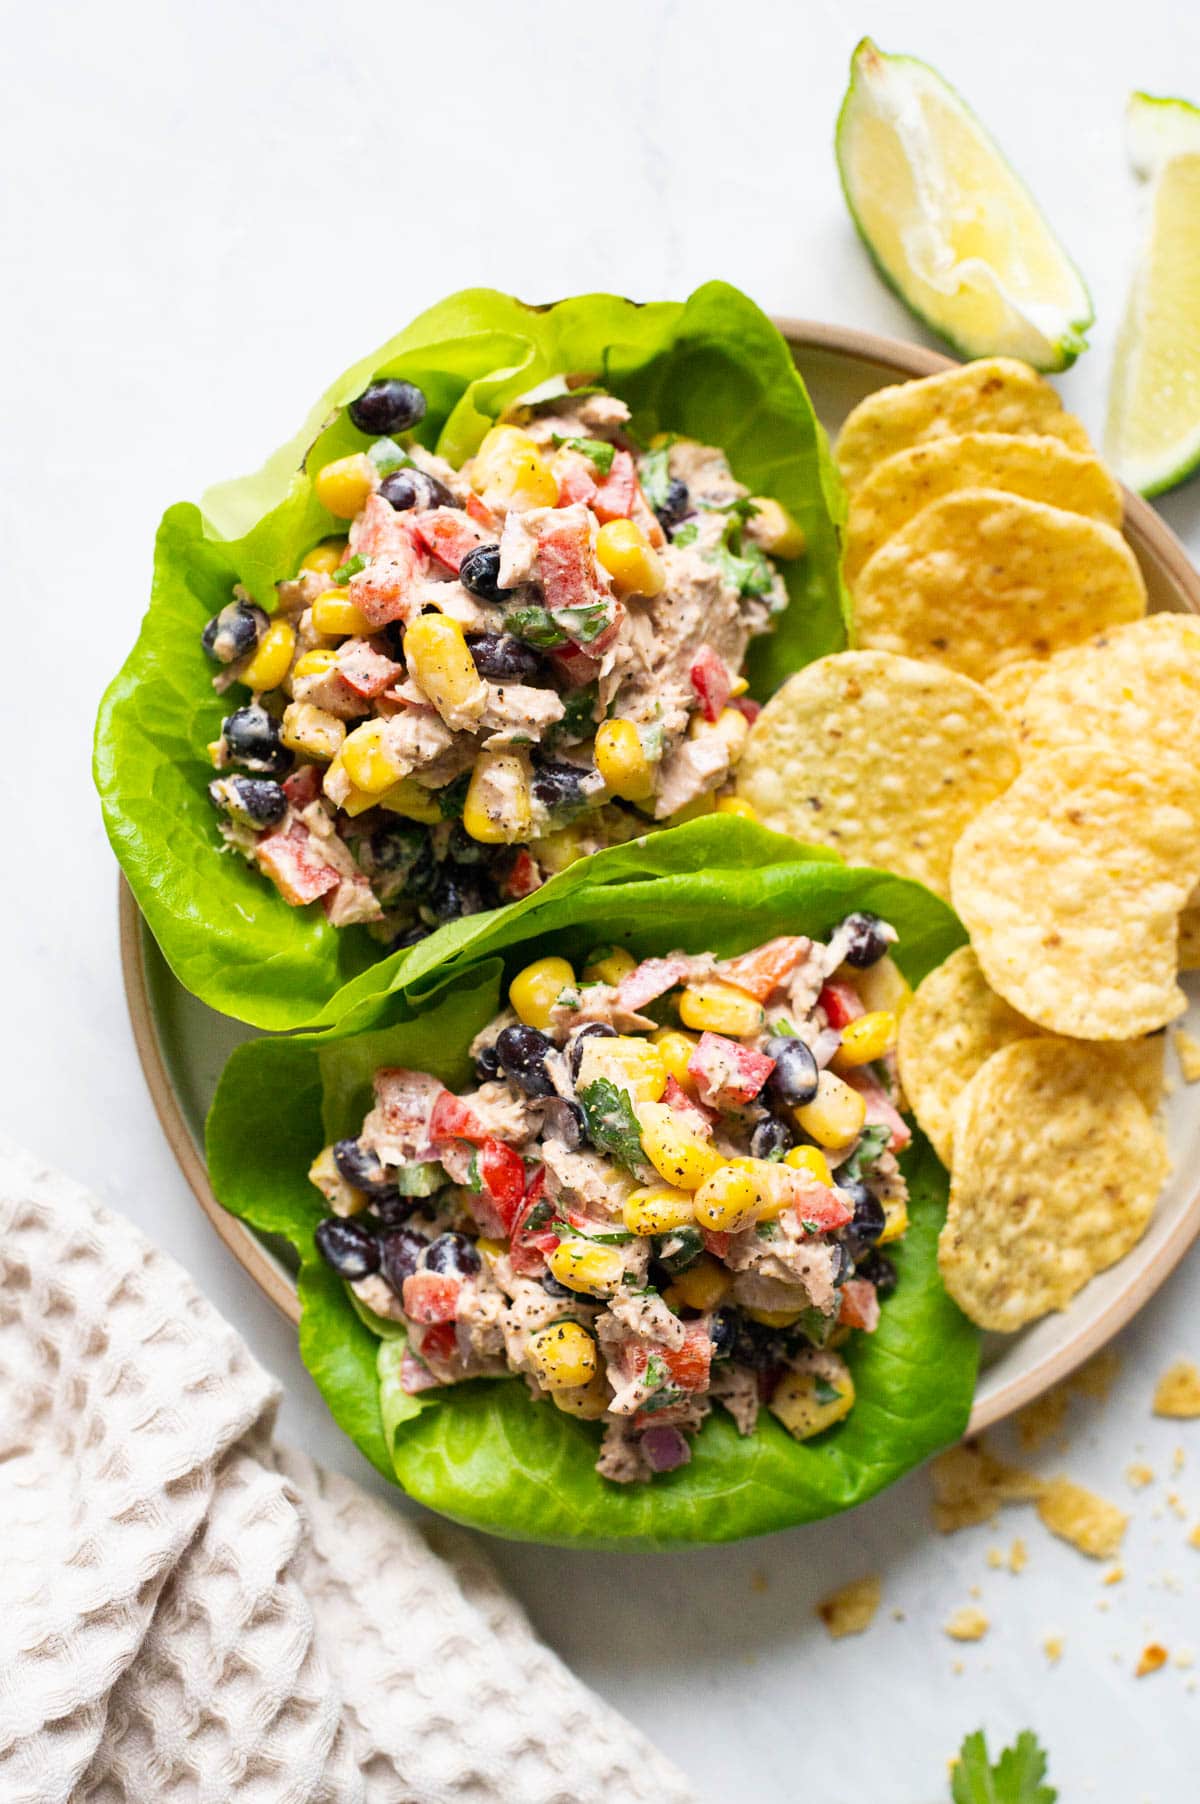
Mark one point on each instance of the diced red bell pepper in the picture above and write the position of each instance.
(615, 497)
(881, 1111)
(711, 681)
(676, 1097)
(294, 864)
(689, 1364)
(452, 1120)
(816, 1205)
(842, 1004)
(303, 786)
(727, 1073)
(524, 876)
(576, 667)
(366, 670)
(763, 970)
(751, 709)
(860, 1305)
(650, 980)
(565, 564)
(447, 535)
(482, 513)
(716, 1241)
(502, 1172)
(379, 531)
(575, 482)
(430, 1297)
(387, 589)
(438, 1342)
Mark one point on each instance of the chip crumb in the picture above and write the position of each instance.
(970, 1484)
(957, 1668)
(758, 1579)
(1194, 1537)
(1139, 1476)
(975, 1591)
(1154, 1656)
(1077, 1515)
(1097, 1377)
(1018, 1556)
(851, 1609)
(1042, 1418)
(1053, 1648)
(1178, 1391)
(1187, 1050)
(995, 1558)
(967, 1624)
(1185, 1658)
(898, 1616)
(1178, 1461)
(1113, 1576)
(1176, 1504)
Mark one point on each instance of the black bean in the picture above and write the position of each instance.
(405, 489)
(868, 942)
(399, 1254)
(723, 1329)
(593, 1030)
(553, 1288)
(794, 1079)
(487, 1065)
(411, 936)
(252, 738)
(479, 573)
(771, 1137)
(387, 406)
(878, 1269)
(393, 1210)
(452, 1254)
(234, 632)
(869, 1218)
(557, 783)
(349, 1247)
(501, 658)
(456, 892)
(360, 1167)
(522, 1055)
(675, 505)
(255, 801)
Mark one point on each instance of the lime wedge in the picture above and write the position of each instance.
(1153, 434)
(949, 224)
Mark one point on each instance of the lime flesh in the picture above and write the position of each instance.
(949, 224)
(1153, 433)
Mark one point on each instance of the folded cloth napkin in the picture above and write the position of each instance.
(190, 1613)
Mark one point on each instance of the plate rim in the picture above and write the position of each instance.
(1152, 538)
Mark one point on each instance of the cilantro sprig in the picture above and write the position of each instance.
(613, 1126)
(1015, 1778)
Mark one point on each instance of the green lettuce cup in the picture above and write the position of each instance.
(712, 367)
(483, 1452)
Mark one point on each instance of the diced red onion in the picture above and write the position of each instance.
(415, 1377)
(825, 1045)
(665, 1448)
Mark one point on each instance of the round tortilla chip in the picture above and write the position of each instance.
(1070, 886)
(1040, 468)
(882, 759)
(953, 1025)
(992, 394)
(1134, 690)
(980, 579)
(1012, 684)
(1056, 1174)
(1189, 939)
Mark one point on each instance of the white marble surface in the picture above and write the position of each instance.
(209, 211)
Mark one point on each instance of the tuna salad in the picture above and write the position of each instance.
(668, 1186)
(499, 668)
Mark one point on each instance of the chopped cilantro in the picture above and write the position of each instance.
(598, 451)
(765, 1230)
(612, 1125)
(387, 456)
(453, 799)
(655, 476)
(814, 1326)
(540, 628)
(810, 1227)
(687, 534)
(784, 1027)
(826, 1392)
(662, 1399)
(538, 1216)
(618, 1238)
(345, 571)
(871, 1143)
(578, 717)
(742, 564)
(474, 1179)
(655, 1373)
(1016, 1778)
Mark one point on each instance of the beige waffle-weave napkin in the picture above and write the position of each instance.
(190, 1613)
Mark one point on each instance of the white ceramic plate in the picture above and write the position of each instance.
(183, 1045)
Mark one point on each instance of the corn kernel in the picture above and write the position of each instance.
(745, 811)
(412, 800)
(773, 529)
(556, 851)
(491, 1249)
(812, 1160)
(836, 1113)
(582, 1265)
(883, 985)
(311, 731)
(534, 991)
(622, 762)
(774, 1189)
(564, 1356)
(269, 665)
(705, 1284)
(631, 1064)
(508, 470)
(739, 686)
(498, 810)
(798, 1406)
(587, 1401)
(343, 1198)
(314, 663)
(895, 1220)
(657, 1209)
(325, 558)
(335, 613)
(694, 811)
(867, 1038)
(774, 1318)
(730, 726)
(609, 964)
(675, 1050)
(438, 656)
(720, 1008)
(630, 559)
(676, 1150)
(728, 1200)
(368, 763)
(343, 486)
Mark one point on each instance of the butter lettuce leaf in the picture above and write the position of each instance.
(712, 367)
(484, 1453)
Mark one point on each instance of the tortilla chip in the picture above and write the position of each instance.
(956, 1021)
(993, 394)
(1095, 1527)
(852, 1609)
(1177, 1392)
(1042, 469)
(1187, 1051)
(1189, 938)
(1057, 1168)
(1096, 1379)
(1070, 885)
(967, 1624)
(980, 579)
(970, 1484)
(1134, 690)
(1012, 684)
(1042, 1419)
(881, 758)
